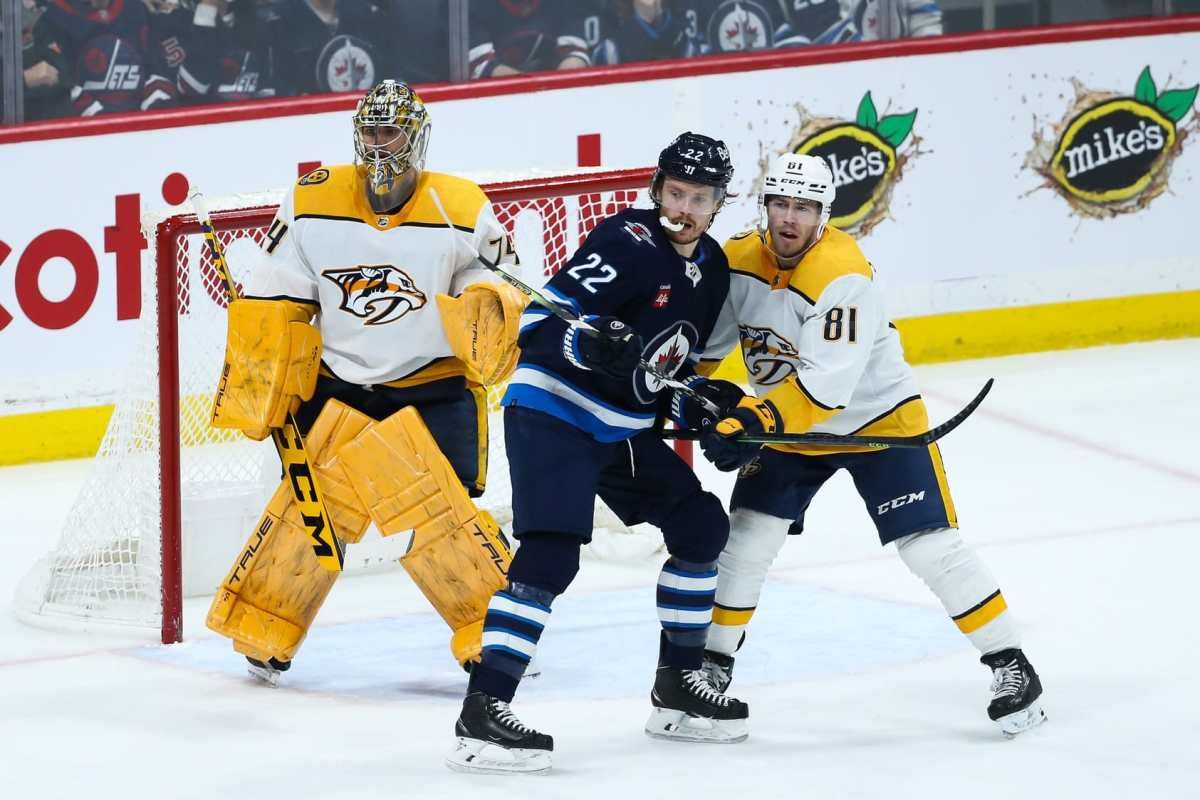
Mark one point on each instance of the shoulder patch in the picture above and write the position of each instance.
(639, 232)
(319, 175)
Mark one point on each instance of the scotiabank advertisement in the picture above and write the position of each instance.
(977, 179)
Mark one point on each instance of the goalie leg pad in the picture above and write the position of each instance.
(276, 586)
(458, 557)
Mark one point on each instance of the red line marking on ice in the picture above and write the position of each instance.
(1085, 444)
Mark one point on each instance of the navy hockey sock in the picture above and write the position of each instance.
(512, 627)
(686, 590)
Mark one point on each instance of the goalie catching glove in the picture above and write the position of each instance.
(272, 357)
(481, 325)
(721, 443)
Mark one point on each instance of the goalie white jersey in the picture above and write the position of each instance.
(372, 278)
(817, 340)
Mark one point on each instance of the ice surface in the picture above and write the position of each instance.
(1077, 480)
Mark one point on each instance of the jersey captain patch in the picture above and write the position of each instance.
(379, 294)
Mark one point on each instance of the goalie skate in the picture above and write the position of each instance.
(1015, 692)
(492, 740)
(267, 672)
(687, 708)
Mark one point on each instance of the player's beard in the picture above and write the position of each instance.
(692, 231)
(792, 241)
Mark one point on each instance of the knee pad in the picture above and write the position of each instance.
(458, 556)
(546, 561)
(697, 528)
(271, 595)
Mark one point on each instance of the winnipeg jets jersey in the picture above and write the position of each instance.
(816, 340)
(626, 269)
(372, 278)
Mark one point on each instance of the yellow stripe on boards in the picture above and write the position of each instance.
(731, 616)
(76, 433)
(976, 618)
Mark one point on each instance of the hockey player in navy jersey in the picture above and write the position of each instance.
(579, 422)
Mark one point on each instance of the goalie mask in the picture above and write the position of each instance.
(801, 176)
(391, 132)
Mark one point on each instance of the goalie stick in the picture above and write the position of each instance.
(837, 440)
(297, 466)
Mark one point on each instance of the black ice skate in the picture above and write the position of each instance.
(492, 739)
(718, 667)
(687, 707)
(1015, 692)
(268, 671)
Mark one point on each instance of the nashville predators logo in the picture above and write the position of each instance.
(379, 294)
(770, 358)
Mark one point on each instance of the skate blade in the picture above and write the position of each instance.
(1021, 721)
(679, 726)
(267, 677)
(474, 755)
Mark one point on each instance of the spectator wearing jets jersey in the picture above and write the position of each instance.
(649, 30)
(823, 357)
(373, 318)
(579, 419)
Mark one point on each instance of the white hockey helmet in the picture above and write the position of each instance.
(802, 176)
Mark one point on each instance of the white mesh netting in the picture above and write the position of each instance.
(110, 567)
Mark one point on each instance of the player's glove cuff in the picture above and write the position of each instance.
(570, 342)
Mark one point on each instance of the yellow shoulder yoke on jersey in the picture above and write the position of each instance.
(836, 255)
(335, 195)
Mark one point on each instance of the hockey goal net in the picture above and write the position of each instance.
(170, 500)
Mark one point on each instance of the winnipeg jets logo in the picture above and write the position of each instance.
(740, 25)
(666, 352)
(770, 358)
(379, 294)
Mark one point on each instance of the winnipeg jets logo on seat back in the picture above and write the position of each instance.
(379, 294)
(768, 355)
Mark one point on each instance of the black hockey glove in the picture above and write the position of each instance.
(686, 412)
(720, 442)
(613, 348)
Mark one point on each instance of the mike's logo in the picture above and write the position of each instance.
(867, 157)
(1111, 154)
(379, 294)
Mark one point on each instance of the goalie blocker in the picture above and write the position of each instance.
(407, 457)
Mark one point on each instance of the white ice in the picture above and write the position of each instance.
(1077, 481)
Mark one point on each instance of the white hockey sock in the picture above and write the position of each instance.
(966, 588)
(754, 541)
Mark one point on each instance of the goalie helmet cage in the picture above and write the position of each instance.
(120, 560)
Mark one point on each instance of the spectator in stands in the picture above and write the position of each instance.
(509, 37)
(45, 94)
(103, 56)
(649, 30)
(734, 25)
(329, 45)
(220, 49)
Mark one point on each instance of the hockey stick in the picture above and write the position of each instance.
(571, 318)
(297, 466)
(836, 440)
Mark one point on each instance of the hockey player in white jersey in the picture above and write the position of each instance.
(372, 318)
(823, 357)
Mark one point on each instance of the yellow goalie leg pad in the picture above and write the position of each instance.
(458, 557)
(276, 586)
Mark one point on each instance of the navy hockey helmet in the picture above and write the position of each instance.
(697, 158)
